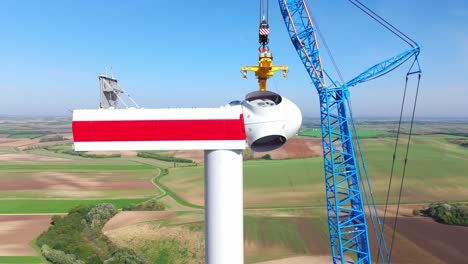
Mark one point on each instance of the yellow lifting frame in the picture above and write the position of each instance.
(265, 69)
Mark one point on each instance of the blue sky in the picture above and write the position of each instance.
(189, 53)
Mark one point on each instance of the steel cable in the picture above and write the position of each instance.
(384, 23)
(394, 157)
(405, 163)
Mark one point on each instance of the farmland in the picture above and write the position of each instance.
(363, 133)
(26, 135)
(277, 236)
(35, 180)
(283, 197)
(299, 182)
(27, 206)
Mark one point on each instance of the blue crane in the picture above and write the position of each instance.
(348, 189)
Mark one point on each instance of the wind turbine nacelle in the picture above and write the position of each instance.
(270, 120)
(264, 120)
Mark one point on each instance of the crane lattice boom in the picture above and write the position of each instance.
(345, 184)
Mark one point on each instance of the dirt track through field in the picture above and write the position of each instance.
(17, 231)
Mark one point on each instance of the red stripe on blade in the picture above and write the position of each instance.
(158, 130)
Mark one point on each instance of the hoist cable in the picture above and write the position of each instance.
(395, 151)
(264, 9)
(405, 163)
(379, 234)
(267, 11)
(394, 156)
(261, 9)
(327, 48)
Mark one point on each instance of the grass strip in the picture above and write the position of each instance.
(21, 260)
(57, 205)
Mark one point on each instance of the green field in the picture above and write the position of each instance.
(436, 171)
(26, 135)
(4, 129)
(21, 260)
(266, 183)
(70, 174)
(362, 133)
(282, 237)
(56, 205)
(8, 149)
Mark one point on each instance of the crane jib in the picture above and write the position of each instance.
(384, 67)
(295, 13)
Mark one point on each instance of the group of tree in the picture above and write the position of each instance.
(248, 154)
(451, 214)
(153, 155)
(151, 205)
(77, 238)
(52, 138)
(81, 153)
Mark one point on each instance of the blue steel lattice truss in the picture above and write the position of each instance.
(346, 215)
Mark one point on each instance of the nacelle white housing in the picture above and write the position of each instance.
(265, 120)
(270, 120)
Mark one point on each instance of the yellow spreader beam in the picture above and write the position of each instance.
(265, 69)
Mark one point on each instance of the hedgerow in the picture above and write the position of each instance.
(77, 238)
(451, 214)
(152, 155)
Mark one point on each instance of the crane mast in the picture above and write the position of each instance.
(344, 185)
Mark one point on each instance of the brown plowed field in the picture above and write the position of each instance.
(24, 157)
(4, 140)
(21, 142)
(295, 148)
(133, 217)
(197, 156)
(17, 231)
(447, 243)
